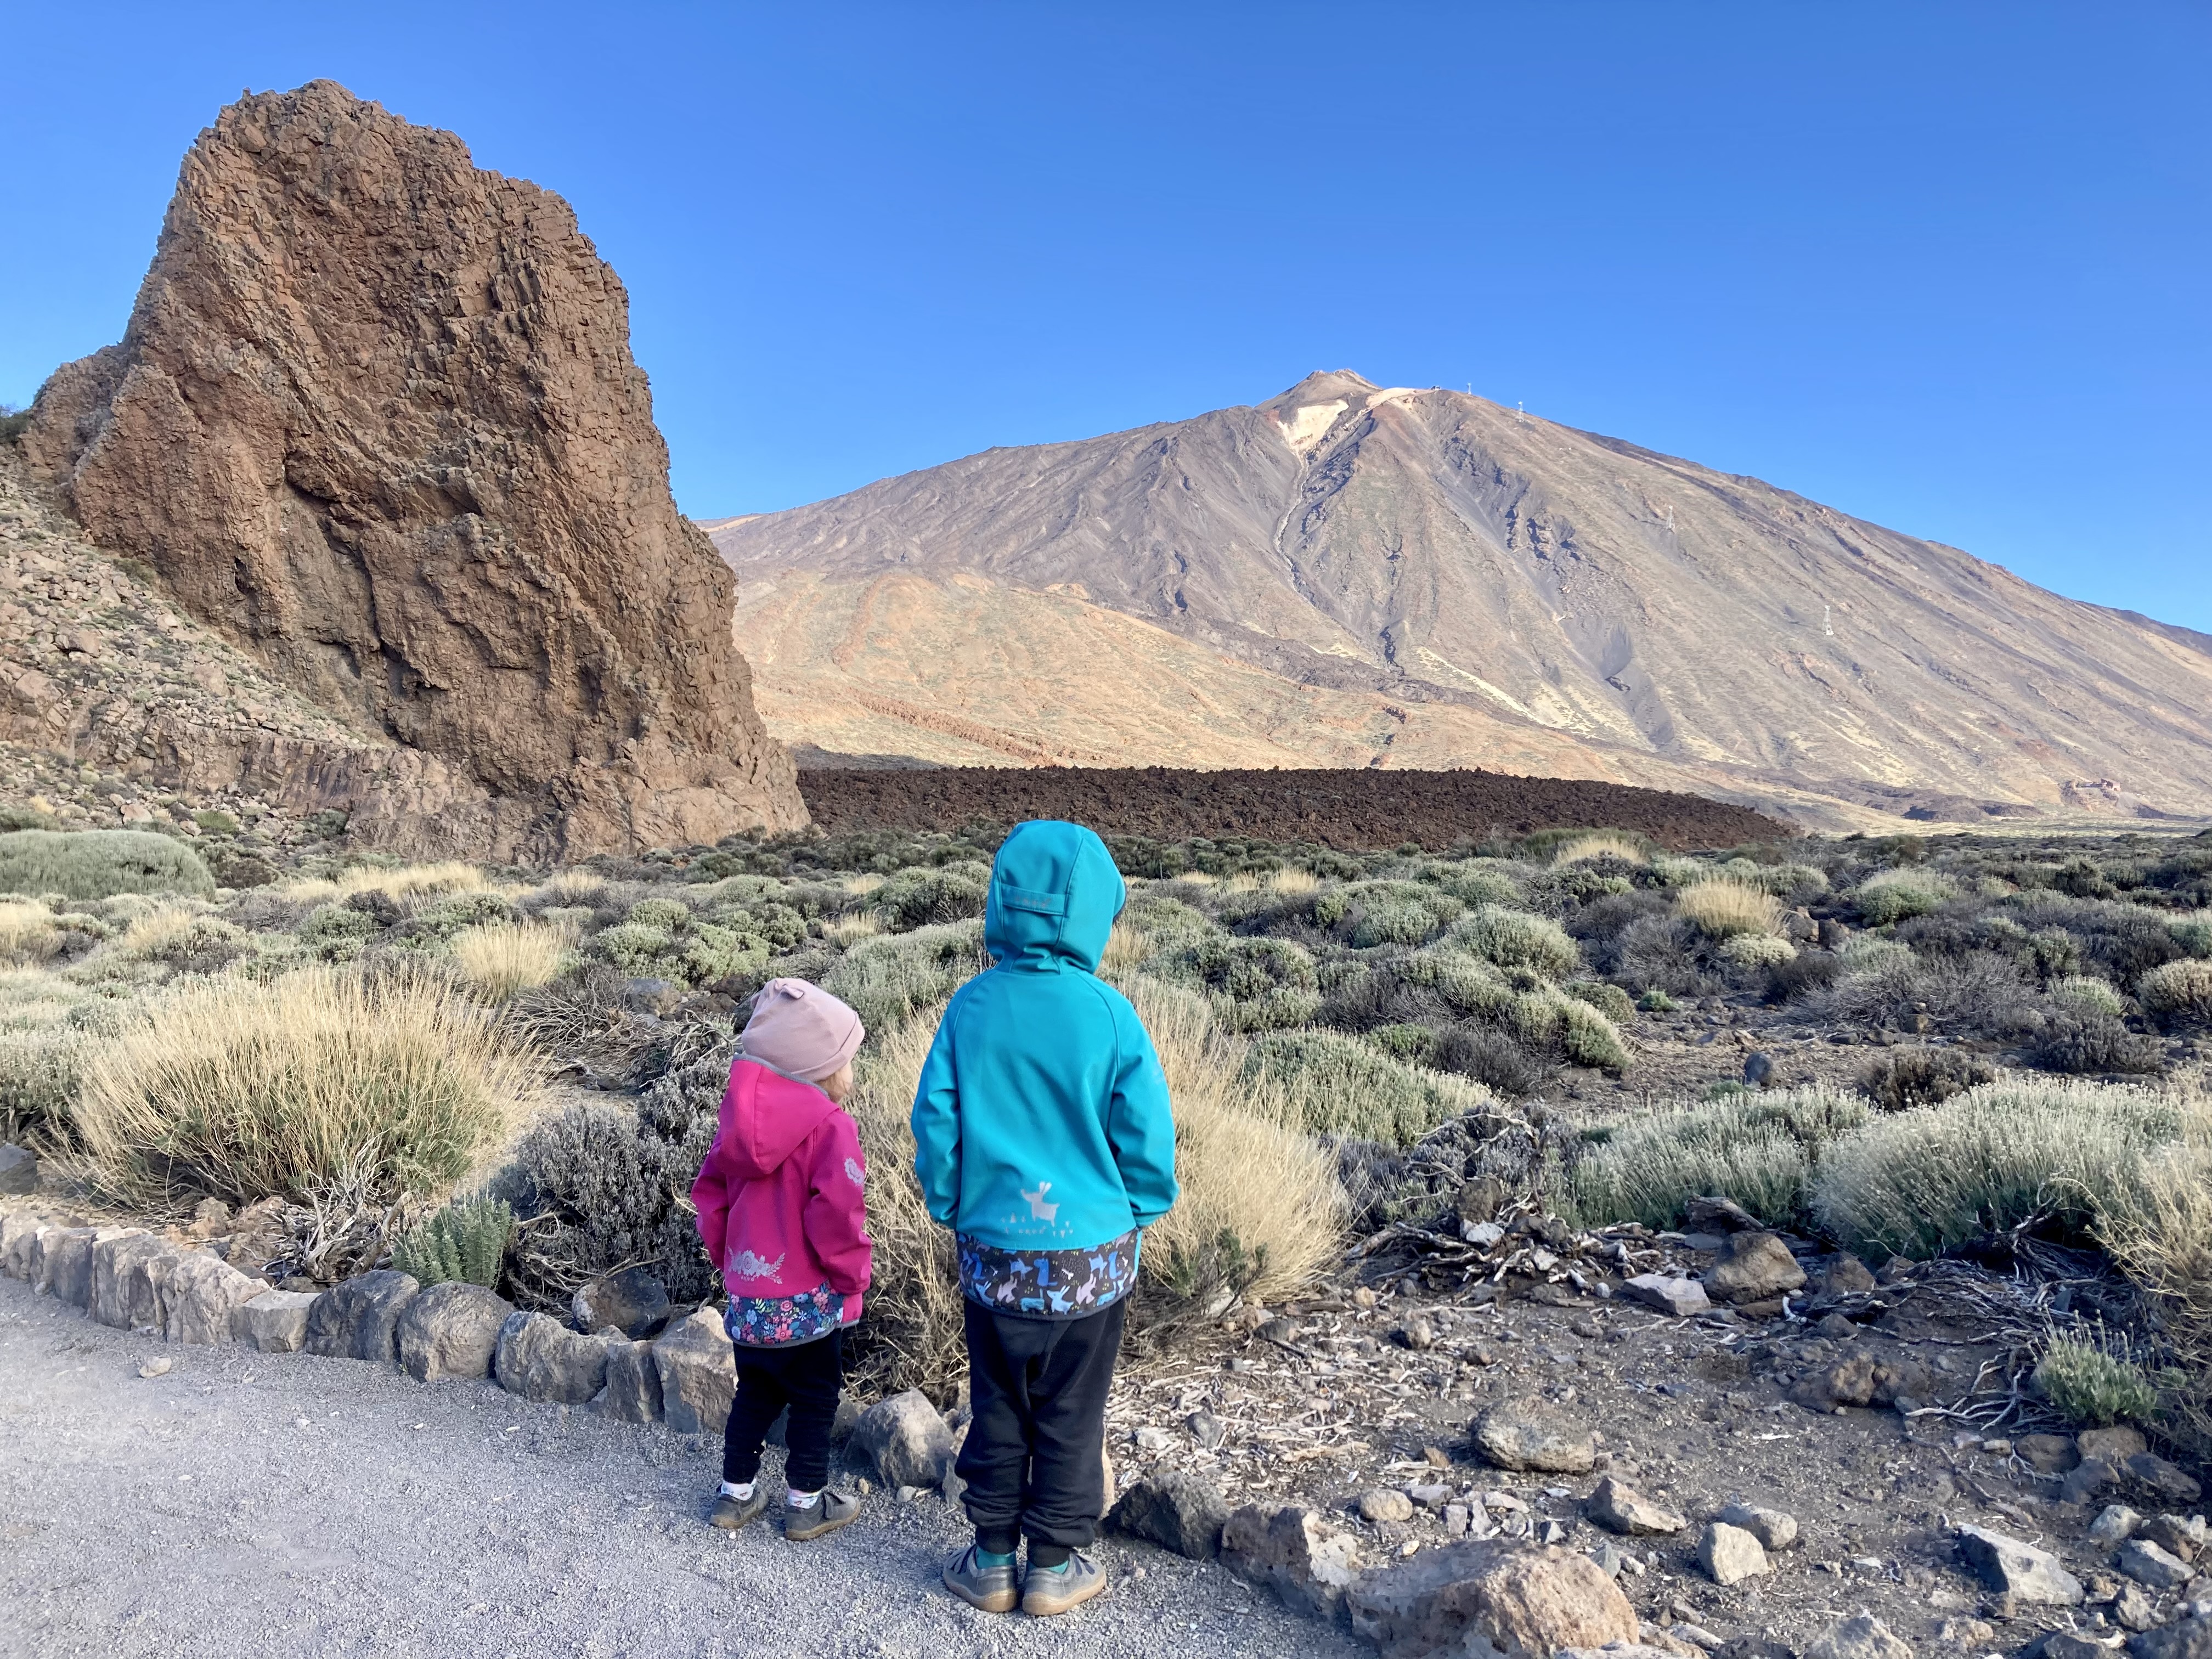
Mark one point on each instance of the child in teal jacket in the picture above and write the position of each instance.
(1043, 1138)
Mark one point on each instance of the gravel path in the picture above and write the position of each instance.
(280, 1504)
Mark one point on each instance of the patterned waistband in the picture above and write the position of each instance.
(783, 1322)
(1047, 1283)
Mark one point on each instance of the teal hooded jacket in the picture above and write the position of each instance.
(1041, 1122)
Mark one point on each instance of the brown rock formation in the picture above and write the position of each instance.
(376, 420)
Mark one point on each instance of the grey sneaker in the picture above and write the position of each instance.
(831, 1511)
(1047, 1591)
(994, 1590)
(731, 1513)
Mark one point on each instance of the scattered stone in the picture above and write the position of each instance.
(1459, 1521)
(1184, 1513)
(698, 1374)
(2115, 1525)
(1417, 1332)
(153, 1368)
(2192, 1638)
(19, 1169)
(450, 1330)
(1697, 1636)
(1729, 1554)
(1862, 1638)
(1609, 1560)
(1481, 1199)
(359, 1318)
(1974, 1633)
(1207, 1429)
(2176, 1537)
(903, 1440)
(2146, 1563)
(2021, 1571)
(1291, 1552)
(1668, 1292)
(1491, 1597)
(633, 1391)
(202, 1298)
(2163, 1478)
(2132, 1609)
(2115, 1445)
(1529, 1435)
(1753, 1265)
(1847, 1276)
(1384, 1505)
(1758, 1069)
(1621, 1509)
(275, 1321)
(1774, 1530)
(633, 1302)
(1151, 1439)
(1430, 1498)
(1849, 1382)
(2067, 1644)
(2085, 1480)
(2047, 1454)
(539, 1358)
(1836, 1327)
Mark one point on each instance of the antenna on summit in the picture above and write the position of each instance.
(1826, 627)
(1521, 411)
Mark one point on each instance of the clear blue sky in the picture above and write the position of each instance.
(1945, 266)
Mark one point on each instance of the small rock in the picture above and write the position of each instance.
(1417, 1332)
(2146, 1563)
(1365, 1298)
(633, 1302)
(1862, 1638)
(2115, 1445)
(1151, 1439)
(359, 1318)
(1621, 1509)
(2021, 1571)
(2192, 1638)
(2176, 1537)
(1430, 1498)
(904, 1440)
(1529, 1435)
(153, 1367)
(539, 1358)
(1849, 1382)
(1836, 1327)
(1670, 1293)
(275, 1321)
(1711, 1214)
(1729, 1554)
(1184, 1513)
(2047, 1454)
(1384, 1506)
(1291, 1552)
(2132, 1609)
(1609, 1560)
(2085, 1480)
(2163, 1478)
(2115, 1525)
(1459, 1520)
(2066, 1644)
(1491, 1597)
(1973, 1633)
(1207, 1429)
(1846, 1276)
(1480, 1201)
(1774, 1529)
(1758, 1069)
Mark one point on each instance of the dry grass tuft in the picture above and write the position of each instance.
(1602, 843)
(1126, 947)
(574, 887)
(399, 881)
(1724, 908)
(501, 958)
(858, 925)
(28, 933)
(1293, 878)
(317, 1081)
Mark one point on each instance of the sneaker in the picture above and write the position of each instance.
(831, 1511)
(731, 1513)
(993, 1590)
(1049, 1591)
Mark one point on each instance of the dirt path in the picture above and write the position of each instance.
(249, 1503)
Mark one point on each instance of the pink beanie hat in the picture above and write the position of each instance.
(801, 1029)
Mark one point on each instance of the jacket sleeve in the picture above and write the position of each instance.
(837, 1214)
(1140, 1122)
(936, 1125)
(710, 1193)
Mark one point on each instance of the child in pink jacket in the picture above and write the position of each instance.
(779, 1204)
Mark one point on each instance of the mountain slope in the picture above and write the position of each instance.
(1351, 575)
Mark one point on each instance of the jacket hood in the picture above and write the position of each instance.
(765, 1115)
(1054, 893)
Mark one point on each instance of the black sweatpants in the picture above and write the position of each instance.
(806, 1378)
(1033, 1459)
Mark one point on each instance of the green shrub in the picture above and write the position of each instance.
(2092, 1387)
(1513, 939)
(1256, 984)
(38, 1078)
(892, 977)
(1414, 1044)
(1923, 1077)
(2179, 991)
(2194, 935)
(1656, 1001)
(1759, 1150)
(1337, 1084)
(1755, 952)
(1466, 984)
(94, 864)
(2084, 995)
(1866, 955)
(465, 1241)
(1372, 913)
(915, 898)
(1479, 881)
(1615, 1004)
(1892, 895)
(337, 932)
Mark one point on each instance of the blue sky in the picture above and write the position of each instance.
(1944, 266)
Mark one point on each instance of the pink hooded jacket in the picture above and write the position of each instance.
(781, 1210)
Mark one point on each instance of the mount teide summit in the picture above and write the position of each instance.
(1352, 575)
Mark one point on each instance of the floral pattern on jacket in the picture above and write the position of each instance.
(1047, 1283)
(783, 1322)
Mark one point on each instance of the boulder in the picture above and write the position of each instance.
(2133, 1609)
(19, 1169)
(633, 1302)
(1385, 1506)
(1670, 1293)
(1729, 1554)
(633, 1391)
(539, 1358)
(2181, 1538)
(1291, 1552)
(450, 1330)
(1862, 1638)
(1711, 1214)
(698, 1376)
(1752, 1268)
(1529, 1435)
(1774, 1530)
(123, 1270)
(2021, 1571)
(65, 1263)
(1859, 1379)
(2115, 1445)
(1846, 1276)
(274, 1322)
(204, 1296)
(1490, 1597)
(359, 1318)
(1622, 1509)
(2047, 1454)
(2189, 1639)
(2116, 1524)
(1180, 1512)
(2166, 1479)
(904, 1440)
(2146, 1563)
(19, 1237)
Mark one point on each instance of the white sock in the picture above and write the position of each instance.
(741, 1493)
(802, 1500)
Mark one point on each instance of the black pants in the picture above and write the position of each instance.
(1033, 1461)
(806, 1378)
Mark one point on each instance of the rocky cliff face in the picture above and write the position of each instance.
(376, 422)
(1352, 575)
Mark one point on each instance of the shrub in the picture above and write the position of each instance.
(2160, 1232)
(1513, 939)
(917, 898)
(2179, 991)
(232, 1089)
(28, 932)
(1487, 1055)
(2005, 1155)
(1603, 843)
(2082, 1046)
(2085, 996)
(505, 958)
(1372, 913)
(2092, 1387)
(391, 881)
(1414, 1044)
(889, 979)
(1615, 1004)
(1258, 984)
(180, 937)
(1892, 895)
(602, 1190)
(1979, 995)
(1756, 1149)
(39, 1069)
(1656, 1001)
(2082, 879)
(1480, 881)
(465, 1241)
(2194, 935)
(95, 864)
(1667, 954)
(1337, 1084)
(1726, 906)
(1908, 1077)
(337, 932)
(1801, 975)
(1753, 952)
